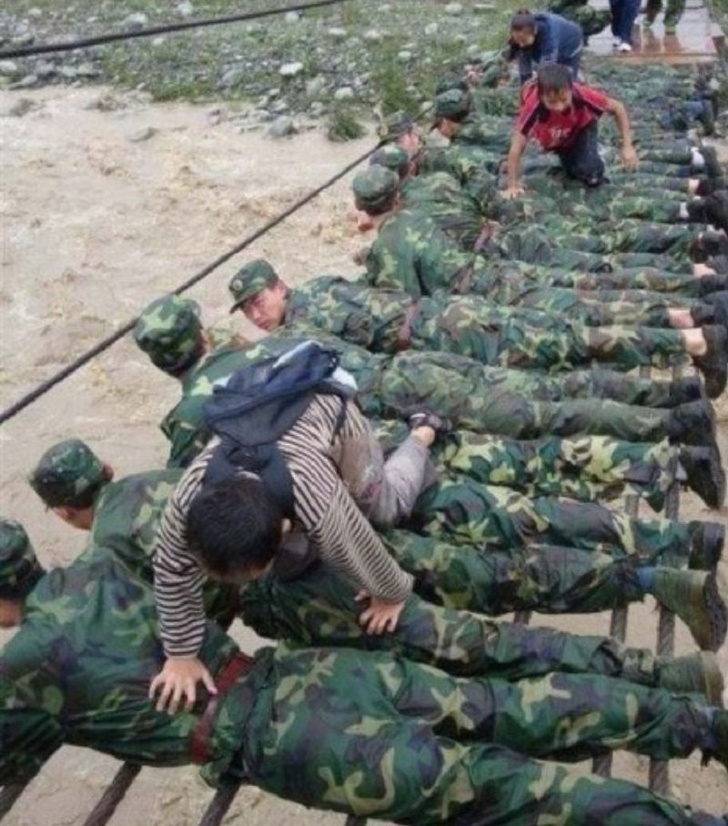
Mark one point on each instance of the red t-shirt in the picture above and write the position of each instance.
(558, 130)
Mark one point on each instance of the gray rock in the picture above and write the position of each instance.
(231, 77)
(44, 69)
(142, 134)
(26, 82)
(135, 21)
(472, 50)
(317, 109)
(253, 28)
(185, 9)
(337, 34)
(159, 41)
(404, 56)
(273, 93)
(68, 72)
(35, 13)
(22, 107)
(483, 8)
(290, 69)
(315, 86)
(23, 39)
(279, 107)
(344, 93)
(282, 127)
(431, 28)
(372, 36)
(453, 8)
(292, 17)
(8, 67)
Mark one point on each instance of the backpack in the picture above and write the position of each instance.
(254, 406)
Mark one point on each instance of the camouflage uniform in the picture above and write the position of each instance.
(84, 680)
(389, 321)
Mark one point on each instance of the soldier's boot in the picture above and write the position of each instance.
(673, 13)
(694, 597)
(704, 474)
(719, 302)
(692, 423)
(695, 673)
(707, 245)
(703, 313)
(713, 167)
(712, 209)
(652, 9)
(685, 389)
(707, 540)
(718, 747)
(424, 417)
(714, 364)
(710, 283)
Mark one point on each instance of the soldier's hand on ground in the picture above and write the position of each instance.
(629, 157)
(379, 616)
(177, 681)
(513, 192)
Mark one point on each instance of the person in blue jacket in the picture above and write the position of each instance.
(540, 37)
(624, 13)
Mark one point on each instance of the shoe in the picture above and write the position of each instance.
(719, 734)
(616, 42)
(693, 596)
(693, 674)
(714, 364)
(713, 167)
(713, 283)
(705, 474)
(424, 417)
(692, 423)
(716, 210)
(685, 389)
(707, 540)
(670, 29)
(624, 48)
(702, 314)
(713, 243)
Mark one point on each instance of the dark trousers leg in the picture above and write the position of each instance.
(581, 160)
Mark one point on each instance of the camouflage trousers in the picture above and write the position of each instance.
(471, 403)
(467, 512)
(319, 608)
(521, 338)
(379, 737)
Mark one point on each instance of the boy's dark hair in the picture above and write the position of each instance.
(234, 526)
(553, 78)
(523, 20)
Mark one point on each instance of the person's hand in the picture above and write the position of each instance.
(629, 157)
(177, 681)
(513, 192)
(379, 616)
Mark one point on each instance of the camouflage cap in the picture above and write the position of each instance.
(19, 566)
(169, 331)
(250, 280)
(374, 187)
(66, 472)
(394, 126)
(447, 84)
(391, 157)
(454, 103)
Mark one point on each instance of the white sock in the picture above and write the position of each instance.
(683, 214)
(698, 161)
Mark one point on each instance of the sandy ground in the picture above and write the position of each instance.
(95, 225)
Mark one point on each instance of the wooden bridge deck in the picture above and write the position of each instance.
(697, 39)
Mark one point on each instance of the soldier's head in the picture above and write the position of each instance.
(69, 478)
(554, 83)
(376, 194)
(393, 157)
(523, 29)
(451, 108)
(19, 571)
(259, 294)
(400, 129)
(170, 332)
(234, 529)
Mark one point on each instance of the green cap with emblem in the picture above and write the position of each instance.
(452, 104)
(392, 157)
(19, 566)
(170, 332)
(66, 472)
(250, 280)
(374, 188)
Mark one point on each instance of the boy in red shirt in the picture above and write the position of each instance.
(562, 117)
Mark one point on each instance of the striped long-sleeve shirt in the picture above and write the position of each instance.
(323, 509)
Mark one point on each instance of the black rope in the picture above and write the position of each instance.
(8, 797)
(71, 368)
(104, 810)
(25, 51)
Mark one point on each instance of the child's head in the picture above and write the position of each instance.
(554, 87)
(523, 29)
